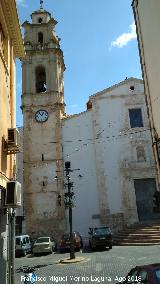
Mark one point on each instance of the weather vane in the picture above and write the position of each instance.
(41, 4)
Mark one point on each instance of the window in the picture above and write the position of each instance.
(40, 79)
(144, 276)
(140, 154)
(40, 20)
(157, 272)
(135, 116)
(40, 37)
(18, 241)
(24, 241)
(132, 88)
(132, 277)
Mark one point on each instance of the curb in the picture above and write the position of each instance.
(71, 261)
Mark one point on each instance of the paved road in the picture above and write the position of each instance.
(98, 267)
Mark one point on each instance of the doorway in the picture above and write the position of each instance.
(144, 191)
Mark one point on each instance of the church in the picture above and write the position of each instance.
(110, 144)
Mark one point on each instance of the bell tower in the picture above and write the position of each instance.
(43, 109)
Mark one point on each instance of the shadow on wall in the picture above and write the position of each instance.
(3, 250)
(3, 157)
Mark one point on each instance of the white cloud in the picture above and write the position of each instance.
(21, 3)
(125, 38)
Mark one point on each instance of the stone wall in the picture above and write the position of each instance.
(115, 221)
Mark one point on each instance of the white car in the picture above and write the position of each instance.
(44, 244)
(22, 245)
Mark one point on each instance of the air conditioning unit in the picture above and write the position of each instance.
(13, 142)
(13, 194)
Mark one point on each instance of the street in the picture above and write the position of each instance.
(98, 267)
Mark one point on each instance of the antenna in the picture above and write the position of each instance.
(41, 4)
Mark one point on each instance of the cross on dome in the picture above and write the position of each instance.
(41, 4)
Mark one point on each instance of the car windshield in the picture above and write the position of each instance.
(102, 231)
(18, 241)
(157, 272)
(42, 240)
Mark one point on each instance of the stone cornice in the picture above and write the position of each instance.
(13, 25)
(131, 79)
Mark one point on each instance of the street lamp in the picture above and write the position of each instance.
(68, 201)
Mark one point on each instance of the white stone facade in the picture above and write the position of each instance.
(103, 145)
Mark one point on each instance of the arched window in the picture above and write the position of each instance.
(140, 154)
(40, 79)
(40, 37)
(40, 20)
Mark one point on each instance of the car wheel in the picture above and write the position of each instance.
(24, 252)
(91, 246)
(51, 251)
(53, 248)
(110, 247)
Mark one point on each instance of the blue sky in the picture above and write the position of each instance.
(99, 43)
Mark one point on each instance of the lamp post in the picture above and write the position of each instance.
(12, 246)
(69, 204)
(68, 198)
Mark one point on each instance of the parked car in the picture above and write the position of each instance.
(100, 237)
(147, 274)
(22, 245)
(65, 242)
(43, 245)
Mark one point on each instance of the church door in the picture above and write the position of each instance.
(144, 190)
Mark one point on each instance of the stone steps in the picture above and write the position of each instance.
(139, 234)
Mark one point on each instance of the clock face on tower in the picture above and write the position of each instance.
(41, 115)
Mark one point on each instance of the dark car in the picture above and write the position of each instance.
(100, 237)
(147, 274)
(65, 242)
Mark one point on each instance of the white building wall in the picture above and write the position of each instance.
(103, 145)
(110, 119)
(78, 148)
(117, 143)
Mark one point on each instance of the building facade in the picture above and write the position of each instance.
(147, 19)
(11, 47)
(43, 109)
(111, 144)
(19, 166)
